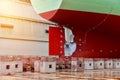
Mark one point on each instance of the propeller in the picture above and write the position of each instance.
(70, 47)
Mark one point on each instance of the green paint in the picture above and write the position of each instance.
(97, 6)
(41, 6)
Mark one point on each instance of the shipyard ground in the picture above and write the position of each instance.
(85, 75)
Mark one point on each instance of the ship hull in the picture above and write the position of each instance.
(97, 34)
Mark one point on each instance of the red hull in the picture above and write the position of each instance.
(96, 35)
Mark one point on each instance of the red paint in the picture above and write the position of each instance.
(102, 42)
(56, 41)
